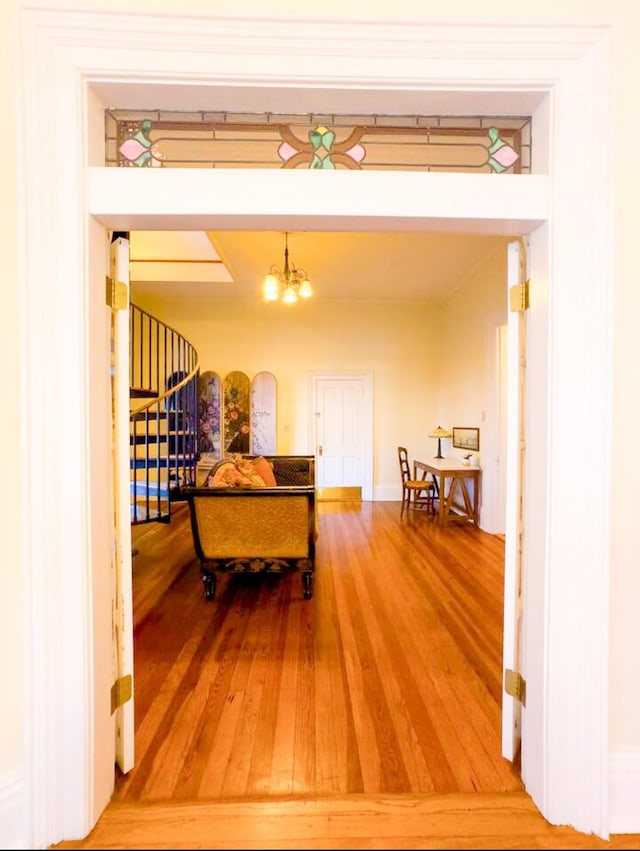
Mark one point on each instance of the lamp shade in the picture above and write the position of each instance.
(440, 432)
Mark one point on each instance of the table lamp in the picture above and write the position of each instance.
(440, 433)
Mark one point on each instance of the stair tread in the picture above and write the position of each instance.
(160, 462)
(138, 416)
(159, 438)
(142, 393)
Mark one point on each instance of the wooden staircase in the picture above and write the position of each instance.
(163, 434)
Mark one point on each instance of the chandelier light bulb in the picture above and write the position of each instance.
(289, 295)
(270, 288)
(305, 290)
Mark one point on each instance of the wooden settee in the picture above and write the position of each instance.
(252, 529)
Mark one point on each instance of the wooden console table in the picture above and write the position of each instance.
(458, 475)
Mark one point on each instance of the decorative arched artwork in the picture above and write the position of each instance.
(209, 417)
(263, 414)
(236, 411)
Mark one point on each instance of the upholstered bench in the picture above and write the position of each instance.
(242, 525)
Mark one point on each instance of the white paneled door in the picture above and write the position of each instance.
(515, 451)
(122, 599)
(343, 429)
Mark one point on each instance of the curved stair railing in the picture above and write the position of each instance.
(163, 393)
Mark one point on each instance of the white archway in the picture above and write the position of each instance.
(81, 61)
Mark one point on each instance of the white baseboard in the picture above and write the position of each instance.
(624, 792)
(13, 832)
(387, 493)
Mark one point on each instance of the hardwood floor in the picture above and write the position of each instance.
(366, 717)
(160, 554)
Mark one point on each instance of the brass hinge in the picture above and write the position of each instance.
(117, 294)
(120, 692)
(515, 685)
(519, 297)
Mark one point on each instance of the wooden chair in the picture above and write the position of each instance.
(416, 493)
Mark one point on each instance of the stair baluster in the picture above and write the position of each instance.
(163, 381)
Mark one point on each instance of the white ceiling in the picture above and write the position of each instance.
(423, 266)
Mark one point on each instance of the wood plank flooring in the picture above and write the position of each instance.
(366, 717)
(475, 820)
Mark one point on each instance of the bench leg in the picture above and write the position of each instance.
(307, 584)
(209, 582)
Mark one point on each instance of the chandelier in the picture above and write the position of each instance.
(288, 284)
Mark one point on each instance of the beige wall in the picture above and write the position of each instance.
(469, 320)
(398, 343)
(625, 576)
(12, 665)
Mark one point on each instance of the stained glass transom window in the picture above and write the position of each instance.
(155, 139)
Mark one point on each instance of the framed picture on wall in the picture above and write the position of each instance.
(466, 438)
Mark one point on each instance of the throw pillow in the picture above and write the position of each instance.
(265, 470)
(225, 475)
(246, 469)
